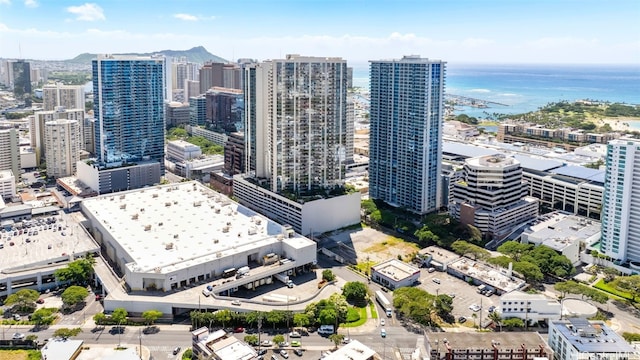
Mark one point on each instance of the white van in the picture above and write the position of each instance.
(326, 329)
(242, 271)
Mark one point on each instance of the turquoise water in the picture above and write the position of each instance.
(523, 88)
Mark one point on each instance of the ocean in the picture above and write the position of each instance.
(524, 88)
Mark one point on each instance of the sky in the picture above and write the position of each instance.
(457, 31)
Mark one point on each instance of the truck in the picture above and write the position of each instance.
(282, 277)
(386, 305)
(242, 271)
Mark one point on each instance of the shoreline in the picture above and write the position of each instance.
(620, 124)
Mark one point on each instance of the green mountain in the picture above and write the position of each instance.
(197, 54)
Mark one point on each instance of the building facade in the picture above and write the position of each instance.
(296, 132)
(197, 110)
(224, 109)
(67, 96)
(129, 95)
(180, 150)
(407, 108)
(63, 141)
(529, 307)
(492, 196)
(581, 339)
(177, 114)
(7, 185)
(620, 213)
(234, 154)
(10, 151)
(21, 80)
(38, 123)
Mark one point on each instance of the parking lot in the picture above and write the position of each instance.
(465, 295)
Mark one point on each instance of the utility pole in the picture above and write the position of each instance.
(140, 338)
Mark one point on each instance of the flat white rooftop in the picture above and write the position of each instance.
(498, 278)
(562, 230)
(355, 350)
(170, 227)
(396, 269)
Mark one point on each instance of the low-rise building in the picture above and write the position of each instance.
(306, 216)
(566, 234)
(354, 350)
(459, 129)
(105, 180)
(395, 274)
(479, 273)
(529, 307)
(581, 339)
(7, 184)
(487, 346)
(219, 345)
(437, 257)
(180, 150)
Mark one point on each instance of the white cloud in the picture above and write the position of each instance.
(5, 2)
(186, 17)
(189, 17)
(31, 3)
(87, 12)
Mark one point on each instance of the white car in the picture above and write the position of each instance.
(18, 336)
(474, 307)
(382, 322)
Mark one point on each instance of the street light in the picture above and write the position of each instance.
(119, 332)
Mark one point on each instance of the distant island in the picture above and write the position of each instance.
(197, 54)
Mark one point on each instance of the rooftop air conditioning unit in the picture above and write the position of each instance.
(123, 206)
(147, 227)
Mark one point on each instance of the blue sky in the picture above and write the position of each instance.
(458, 31)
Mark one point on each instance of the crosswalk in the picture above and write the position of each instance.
(161, 348)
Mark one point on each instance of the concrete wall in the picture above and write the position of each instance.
(324, 215)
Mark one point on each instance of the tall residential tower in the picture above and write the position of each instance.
(407, 108)
(620, 217)
(129, 94)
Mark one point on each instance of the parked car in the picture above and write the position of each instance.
(462, 319)
(17, 317)
(266, 343)
(236, 303)
(295, 343)
(284, 354)
(40, 301)
(382, 322)
(474, 307)
(294, 334)
(298, 352)
(492, 309)
(431, 269)
(18, 336)
(176, 350)
(346, 340)
(436, 280)
(239, 329)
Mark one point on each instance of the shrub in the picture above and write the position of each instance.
(353, 315)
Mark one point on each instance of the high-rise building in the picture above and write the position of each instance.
(234, 154)
(296, 131)
(129, 95)
(210, 76)
(225, 109)
(10, 151)
(620, 211)
(492, 196)
(407, 109)
(177, 114)
(21, 75)
(67, 96)
(38, 124)
(197, 110)
(63, 141)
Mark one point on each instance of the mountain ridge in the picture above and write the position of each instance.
(196, 54)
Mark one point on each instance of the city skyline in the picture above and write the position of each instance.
(495, 31)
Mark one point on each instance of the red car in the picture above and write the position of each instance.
(238, 330)
(40, 301)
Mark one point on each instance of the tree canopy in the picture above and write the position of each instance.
(355, 291)
(119, 315)
(533, 262)
(464, 248)
(630, 284)
(66, 333)
(24, 298)
(77, 272)
(150, 316)
(422, 307)
(74, 295)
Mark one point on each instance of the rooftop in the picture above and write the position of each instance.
(483, 340)
(561, 230)
(395, 268)
(170, 227)
(224, 345)
(439, 255)
(493, 161)
(465, 150)
(591, 336)
(61, 349)
(536, 163)
(581, 172)
(496, 277)
(355, 350)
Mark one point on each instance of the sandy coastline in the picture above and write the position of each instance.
(621, 123)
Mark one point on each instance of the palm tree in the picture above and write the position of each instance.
(496, 318)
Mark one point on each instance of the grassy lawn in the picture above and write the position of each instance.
(365, 266)
(363, 319)
(392, 242)
(374, 313)
(605, 287)
(20, 355)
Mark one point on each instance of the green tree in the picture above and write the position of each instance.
(528, 270)
(99, 318)
(327, 316)
(301, 320)
(464, 248)
(222, 316)
(252, 317)
(355, 291)
(251, 339)
(66, 333)
(150, 316)
(32, 337)
(23, 299)
(43, 316)
(339, 303)
(336, 338)
(426, 236)
(328, 275)
(188, 354)
(275, 317)
(630, 284)
(496, 318)
(119, 315)
(514, 249)
(631, 337)
(513, 323)
(278, 339)
(74, 295)
(77, 272)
